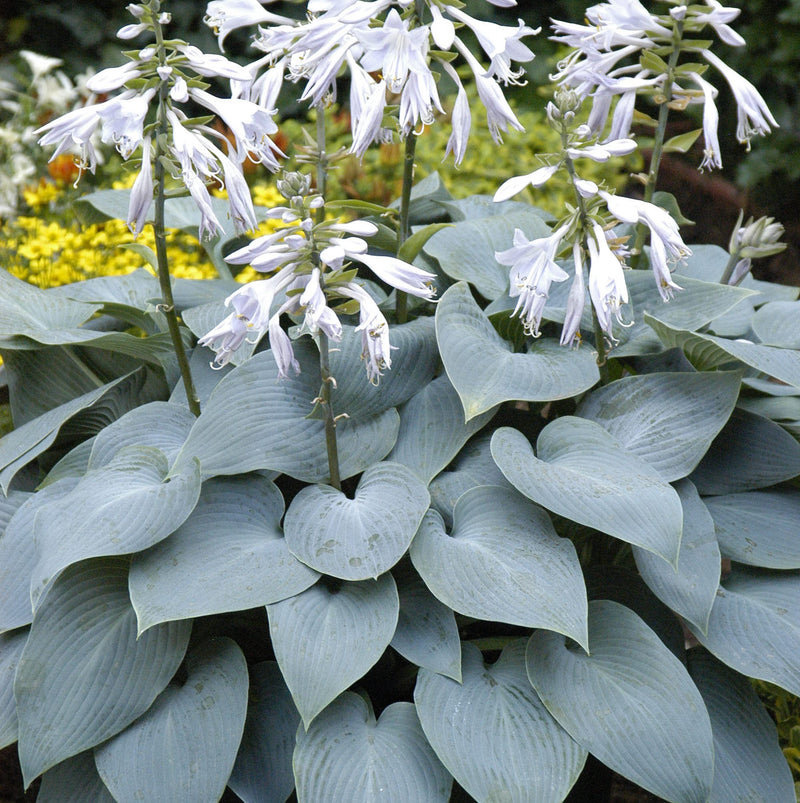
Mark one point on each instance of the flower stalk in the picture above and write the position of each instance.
(159, 232)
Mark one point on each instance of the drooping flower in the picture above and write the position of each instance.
(141, 193)
(533, 270)
(607, 287)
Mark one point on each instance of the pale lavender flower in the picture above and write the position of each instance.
(718, 18)
(538, 178)
(250, 125)
(281, 347)
(399, 274)
(570, 333)
(113, 78)
(533, 270)
(142, 193)
(211, 65)
(607, 287)
(375, 346)
(224, 16)
(226, 337)
(754, 117)
(122, 120)
(461, 120)
(501, 43)
(711, 152)
(318, 315)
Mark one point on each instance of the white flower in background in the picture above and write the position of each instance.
(533, 270)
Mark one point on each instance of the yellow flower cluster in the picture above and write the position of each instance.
(50, 252)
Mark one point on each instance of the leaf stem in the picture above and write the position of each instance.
(328, 382)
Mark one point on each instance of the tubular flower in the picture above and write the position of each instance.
(607, 287)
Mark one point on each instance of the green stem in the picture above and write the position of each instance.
(159, 233)
(404, 229)
(322, 162)
(658, 142)
(328, 383)
(733, 260)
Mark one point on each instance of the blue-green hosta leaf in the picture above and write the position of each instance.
(11, 645)
(327, 637)
(480, 206)
(750, 452)
(158, 424)
(18, 555)
(427, 633)
(485, 372)
(626, 586)
(466, 250)
(432, 429)
(253, 420)
(74, 780)
(474, 466)
(708, 351)
(758, 528)
(28, 441)
(84, 675)
(125, 506)
(503, 562)
(754, 625)
(668, 420)
(183, 748)
(229, 555)
(263, 769)
(778, 324)
(362, 537)
(581, 472)
(38, 314)
(75, 463)
(492, 732)
(627, 701)
(347, 755)
(695, 306)
(690, 590)
(414, 362)
(748, 762)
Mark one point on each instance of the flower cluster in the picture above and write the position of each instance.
(617, 55)
(393, 57)
(308, 261)
(587, 229)
(171, 76)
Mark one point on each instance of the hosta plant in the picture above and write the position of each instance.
(455, 496)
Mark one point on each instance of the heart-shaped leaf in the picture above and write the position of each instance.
(362, 537)
(432, 429)
(127, 505)
(778, 324)
(577, 474)
(630, 699)
(263, 769)
(667, 420)
(492, 732)
(750, 452)
(503, 562)
(427, 633)
(691, 588)
(754, 625)
(84, 675)
(329, 636)
(758, 528)
(347, 755)
(485, 373)
(253, 420)
(183, 748)
(229, 555)
(748, 762)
